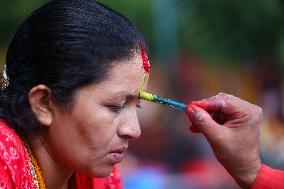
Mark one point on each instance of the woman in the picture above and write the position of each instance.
(232, 127)
(68, 108)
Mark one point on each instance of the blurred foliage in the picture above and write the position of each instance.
(138, 12)
(233, 29)
(12, 13)
(219, 29)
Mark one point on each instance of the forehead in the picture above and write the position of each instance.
(127, 70)
(124, 76)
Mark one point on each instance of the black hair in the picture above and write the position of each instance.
(65, 45)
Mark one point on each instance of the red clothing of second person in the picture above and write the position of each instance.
(269, 178)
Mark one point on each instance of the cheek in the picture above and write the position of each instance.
(97, 128)
(84, 138)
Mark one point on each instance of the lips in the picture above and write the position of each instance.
(117, 157)
(118, 154)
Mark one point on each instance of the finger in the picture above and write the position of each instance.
(226, 103)
(192, 127)
(202, 120)
(206, 104)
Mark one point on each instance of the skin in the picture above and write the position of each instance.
(102, 120)
(232, 127)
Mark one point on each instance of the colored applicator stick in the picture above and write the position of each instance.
(154, 98)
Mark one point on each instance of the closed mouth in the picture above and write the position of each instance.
(117, 155)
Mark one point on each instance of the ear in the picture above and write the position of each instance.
(40, 98)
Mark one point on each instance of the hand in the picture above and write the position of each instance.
(232, 127)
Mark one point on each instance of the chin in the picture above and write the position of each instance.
(98, 172)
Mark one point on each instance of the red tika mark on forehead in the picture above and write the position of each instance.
(146, 61)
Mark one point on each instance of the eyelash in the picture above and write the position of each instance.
(119, 108)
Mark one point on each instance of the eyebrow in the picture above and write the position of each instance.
(128, 95)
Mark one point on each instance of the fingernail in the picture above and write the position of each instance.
(197, 115)
(189, 110)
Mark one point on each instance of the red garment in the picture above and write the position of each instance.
(269, 178)
(15, 172)
(14, 165)
(111, 182)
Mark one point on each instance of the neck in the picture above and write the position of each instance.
(55, 175)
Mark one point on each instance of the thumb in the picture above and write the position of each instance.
(202, 120)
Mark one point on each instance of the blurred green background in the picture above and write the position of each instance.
(198, 48)
(215, 30)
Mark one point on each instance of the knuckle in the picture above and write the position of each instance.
(199, 118)
(257, 114)
(226, 97)
(258, 109)
(222, 94)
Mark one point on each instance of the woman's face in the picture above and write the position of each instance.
(93, 135)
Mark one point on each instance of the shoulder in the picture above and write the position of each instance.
(112, 181)
(14, 166)
(11, 146)
(7, 134)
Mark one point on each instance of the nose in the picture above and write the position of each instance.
(130, 126)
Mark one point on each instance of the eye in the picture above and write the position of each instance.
(117, 108)
(138, 106)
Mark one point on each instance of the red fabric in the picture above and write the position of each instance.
(15, 170)
(269, 178)
(110, 182)
(14, 165)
